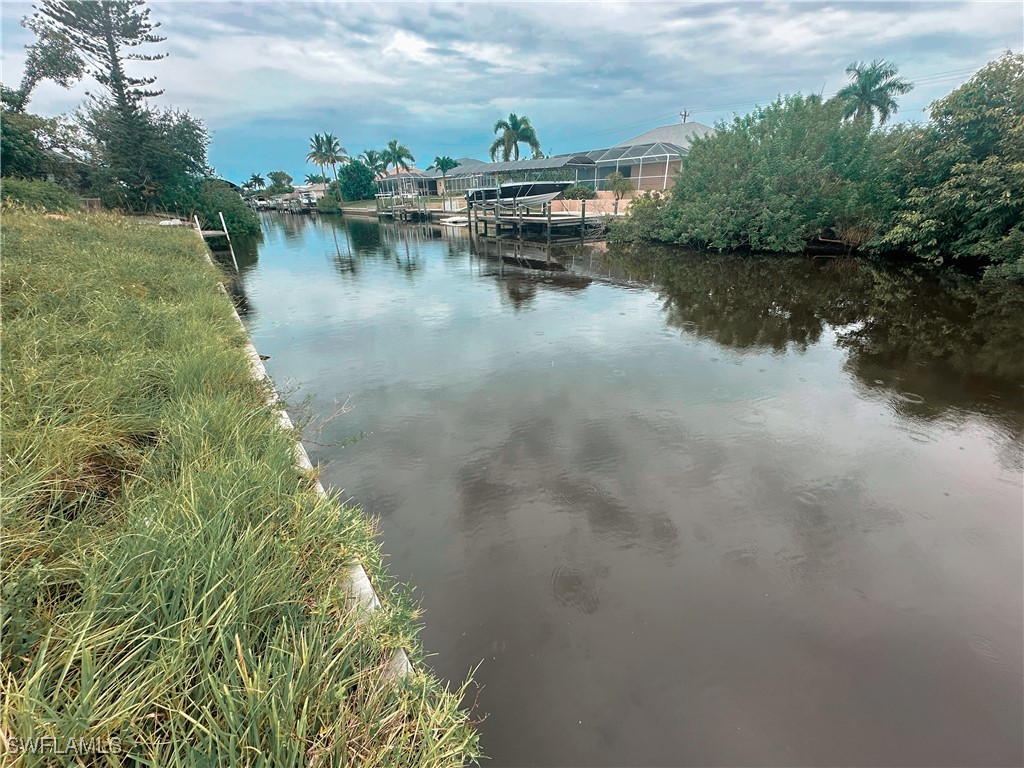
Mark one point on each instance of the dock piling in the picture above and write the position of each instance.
(583, 220)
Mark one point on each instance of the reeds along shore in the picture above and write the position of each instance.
(169, 579)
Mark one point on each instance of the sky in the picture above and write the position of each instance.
(265, 76)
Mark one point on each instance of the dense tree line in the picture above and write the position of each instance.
(805, 172)
(117, 146)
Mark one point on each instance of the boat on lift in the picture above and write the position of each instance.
(518, 194)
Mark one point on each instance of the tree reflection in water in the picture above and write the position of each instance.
(931, 344)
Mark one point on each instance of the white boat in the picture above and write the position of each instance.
(521, 194)
(454, 221)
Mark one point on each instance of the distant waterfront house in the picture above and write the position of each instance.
(316, 191)
(650, 160)
(410, 181)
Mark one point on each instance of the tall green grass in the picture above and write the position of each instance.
(169, 579)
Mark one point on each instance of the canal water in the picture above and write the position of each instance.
(675, 509)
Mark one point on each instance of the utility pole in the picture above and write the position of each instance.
(684, 114)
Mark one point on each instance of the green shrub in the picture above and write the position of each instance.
(356, 181)
(962, 176)
(776, 178)
(579, 192)
(21, 153)
(217, 197)
(38, 194)
(645, 222)
(328, 204)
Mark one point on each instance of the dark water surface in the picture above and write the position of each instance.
(685, 510)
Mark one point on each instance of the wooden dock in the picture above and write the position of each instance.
(535, 223)
(524, 225)
(402, 208)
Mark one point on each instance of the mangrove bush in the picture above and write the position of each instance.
(800, 172)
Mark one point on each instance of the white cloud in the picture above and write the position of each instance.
(440, 75)
(405, 45)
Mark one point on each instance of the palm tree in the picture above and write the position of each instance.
(399, 156)
(334, 153)
(325, 151)
(514, 130)
(445, 164)
(257, 182)
(374, 160)
(872, 89)
(619, 186)
(318, 154)
(316, 178)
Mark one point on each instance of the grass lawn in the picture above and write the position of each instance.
(169, 578)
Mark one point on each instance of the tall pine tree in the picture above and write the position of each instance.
(104, 34)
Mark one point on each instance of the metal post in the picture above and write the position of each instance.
(520, 224)
(583, 220)
(549, 224)
(230, 246)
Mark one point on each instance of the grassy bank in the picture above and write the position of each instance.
(169, 579)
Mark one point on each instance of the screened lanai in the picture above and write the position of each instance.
(474, 174)
(648, 166)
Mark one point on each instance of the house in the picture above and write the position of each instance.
(411, 181)
(650, 160)
(314, 191)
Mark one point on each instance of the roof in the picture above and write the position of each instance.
(433, 173)
(474, 167)
(634, 153)
(680, 134)
(405, 172)
(668, 141)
